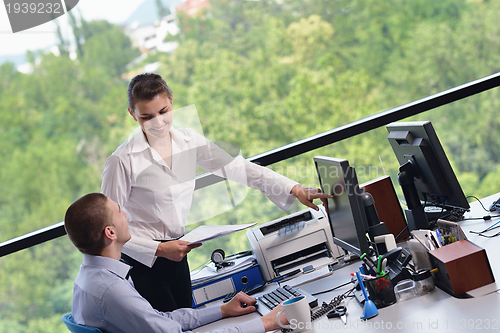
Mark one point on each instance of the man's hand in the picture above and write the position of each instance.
(242, 304)
(239, 305)
(269, 320)
(175, 250)
(306, 195)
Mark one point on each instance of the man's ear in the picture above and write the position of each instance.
(109, 232)
(132, 114)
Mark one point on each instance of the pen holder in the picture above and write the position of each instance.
(381, 291)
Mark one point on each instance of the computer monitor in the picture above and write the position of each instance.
(425, 172)
(346, 212)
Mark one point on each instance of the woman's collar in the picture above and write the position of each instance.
(139, 142)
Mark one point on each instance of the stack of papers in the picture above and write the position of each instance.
(209, 273)
(207, 232)
(308, 277)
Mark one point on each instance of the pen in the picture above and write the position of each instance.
(363, 269)
(440, 238)
(366, 277)
(379, 265)
(487, 229)
(384, 265)
(369, 263)
(420, 241)
(434, 241)
(431, 246)
(490, 227)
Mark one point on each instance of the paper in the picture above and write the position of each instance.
(207, 232)
(308, 277)
(207, 273)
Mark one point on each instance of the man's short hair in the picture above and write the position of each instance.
(85, 221)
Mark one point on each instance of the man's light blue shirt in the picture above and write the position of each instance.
(104, 299)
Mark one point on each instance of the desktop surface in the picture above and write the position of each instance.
(434, 312)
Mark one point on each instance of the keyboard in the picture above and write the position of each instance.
(268, 301)
(247, 290)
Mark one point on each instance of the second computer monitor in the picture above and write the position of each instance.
(416, 144)
(345, 210)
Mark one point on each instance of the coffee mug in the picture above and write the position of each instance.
(297, 312)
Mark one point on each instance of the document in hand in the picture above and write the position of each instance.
(207, 232)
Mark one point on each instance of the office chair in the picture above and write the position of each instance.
(75, 328)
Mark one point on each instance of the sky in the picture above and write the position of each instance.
(43, 36)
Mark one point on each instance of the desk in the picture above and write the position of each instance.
(434, 312)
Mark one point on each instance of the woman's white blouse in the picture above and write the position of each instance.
(157, 199)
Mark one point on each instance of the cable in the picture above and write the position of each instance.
(198, 268)
(240, 254)
(486, 217)
(441, 213)
(471, 196)
(373, 247)
(489, 236)
(327, 291)
(495, 205)
(405, 228)
(491, 227)
(325, 308)
(454, 214)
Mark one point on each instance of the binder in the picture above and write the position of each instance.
(221, 286)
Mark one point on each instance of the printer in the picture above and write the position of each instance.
(293, 242)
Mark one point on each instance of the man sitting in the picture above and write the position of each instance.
(105, 298)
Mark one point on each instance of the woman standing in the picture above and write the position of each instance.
(152, 177)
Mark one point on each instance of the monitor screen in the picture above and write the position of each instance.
(435, 181)
(345, 210)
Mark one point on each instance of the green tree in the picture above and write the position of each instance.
(162, 10)
(58, 126)
(262, 74)
(107, 47)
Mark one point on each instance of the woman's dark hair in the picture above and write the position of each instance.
(144, 87)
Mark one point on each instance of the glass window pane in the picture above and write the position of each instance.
(261, 74)
(36, 286)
